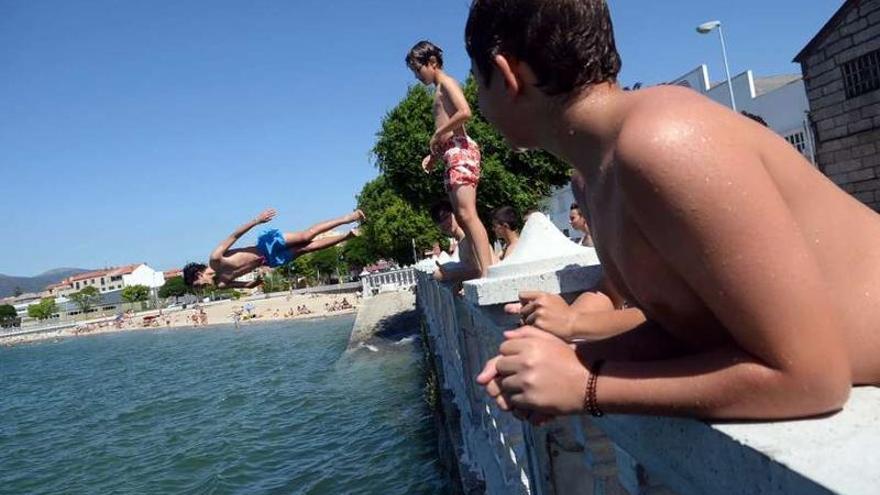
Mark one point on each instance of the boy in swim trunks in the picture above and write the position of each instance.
(451, 144)
(273, 249)
(759, 277)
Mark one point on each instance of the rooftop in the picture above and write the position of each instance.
(764, 85)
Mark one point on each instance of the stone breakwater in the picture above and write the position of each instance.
(387, 316)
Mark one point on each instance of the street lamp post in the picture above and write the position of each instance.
(706, 28)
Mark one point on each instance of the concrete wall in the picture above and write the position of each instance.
(847, 129)
(636, 455)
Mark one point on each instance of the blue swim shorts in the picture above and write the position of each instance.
(273, 248)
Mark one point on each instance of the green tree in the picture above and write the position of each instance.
(174, 287)
(8, 316)
(396, 203)
(86, 298)
(135, 293)
(328, 262)
(393, 222)
(226, 294)
(358, 253)
(42, 310)
(303, 271)
(512, 178)
(275, 281)
(7, 311)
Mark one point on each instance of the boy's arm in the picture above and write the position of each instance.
(710, 208)
(227, 243)
(550, 312)
(456, 274)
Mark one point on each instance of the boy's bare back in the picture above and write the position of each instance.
(723, 233)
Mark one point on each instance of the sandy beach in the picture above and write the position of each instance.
(222, 313)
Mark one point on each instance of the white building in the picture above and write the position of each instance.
(109, 280)
(780, 100)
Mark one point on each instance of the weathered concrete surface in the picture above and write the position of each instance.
(544, 260)
(388, 316)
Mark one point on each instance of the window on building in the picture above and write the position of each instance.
(102, 281)
(798, 141)
(77, 285)
(862, 75)
(117, 278)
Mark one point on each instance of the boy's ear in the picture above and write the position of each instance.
(516, 74)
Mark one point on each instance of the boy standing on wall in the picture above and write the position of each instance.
(451, 144)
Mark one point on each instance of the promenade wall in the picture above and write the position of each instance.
(497, 454)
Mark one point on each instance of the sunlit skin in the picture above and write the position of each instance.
(508, 236)
(594, 315)
(451, 112)
(227, 264)
(579, 223)
(467, 268)
(760, 276)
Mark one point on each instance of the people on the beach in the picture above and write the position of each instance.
(759, 278)
(467, 268)
(506, 224)
(452, 145)
(273, 249)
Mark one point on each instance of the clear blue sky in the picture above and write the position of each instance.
(146, 131)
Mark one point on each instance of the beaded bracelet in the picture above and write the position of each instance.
(591, 404)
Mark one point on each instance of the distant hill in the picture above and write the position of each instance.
(37, 283)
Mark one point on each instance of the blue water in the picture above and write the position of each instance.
(275, 408)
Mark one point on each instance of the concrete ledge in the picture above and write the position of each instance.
(572, 278)
(632, 455)
(544, 260)
(835, 454)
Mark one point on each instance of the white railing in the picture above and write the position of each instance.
(391, 281)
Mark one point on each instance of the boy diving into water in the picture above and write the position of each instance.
(273, 249)
(759, 278)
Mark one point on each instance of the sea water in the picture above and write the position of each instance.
(267, 408)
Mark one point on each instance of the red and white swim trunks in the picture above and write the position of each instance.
(462, 157)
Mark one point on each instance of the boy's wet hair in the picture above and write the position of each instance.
(421, 53)
(756, 118)
(191, 272)
(440, 210)
(575, 206)
(507, 215)
(569, 44)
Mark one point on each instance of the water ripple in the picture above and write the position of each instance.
(280, 408)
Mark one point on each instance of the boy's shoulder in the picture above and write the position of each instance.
(444, 80)
(670, 126)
